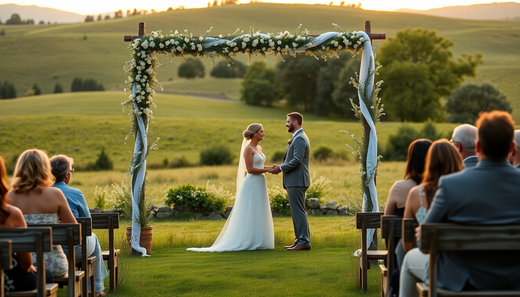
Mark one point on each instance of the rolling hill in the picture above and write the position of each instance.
(486, 11)
(52, 54)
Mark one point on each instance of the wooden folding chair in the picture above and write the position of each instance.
(36, 240)
(390, 230)
(364, 221)
(109, 221)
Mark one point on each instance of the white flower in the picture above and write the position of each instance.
(246, 39)
(336, 44)
(372, 107)
(235, 49)
(179, 49)
(192, 46)
(161, 45)
(279, 42)
(220, 36)
(295, 45)
(199, 46)
(201, 38)
(186, 40)
(263, 49)
(244, 45)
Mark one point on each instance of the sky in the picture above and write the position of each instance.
(100, 6)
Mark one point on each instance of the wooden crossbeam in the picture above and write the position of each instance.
(142, 32)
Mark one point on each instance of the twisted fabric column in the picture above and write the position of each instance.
(138, 171)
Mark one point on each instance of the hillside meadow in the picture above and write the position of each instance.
(81, 124)
(52, 54)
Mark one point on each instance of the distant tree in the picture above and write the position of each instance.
(2, 32)
(397, 145)
(180, 7)
(58, 88)
(191, 68)
(468, 101)
(1, 23)
(128, 13)
(215, 2)
(107, 17)
(41, 23)
(77, 85)
(297, 78)
(419, 70)
(103, 162)
(99, 18)
(89, 18)
(258, 85)
(7, 90)
(118, 14)
(235, 69)
(152, 11)
(169, 9)
(37, 90)
(342, 3)
(209, 4)
(90, 85)
(326, 84)
(14, 20)
(28, 22)
(344, 90)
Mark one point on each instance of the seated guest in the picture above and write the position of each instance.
(413, 175)
(442, 159)
(463, 139)
(485, 195)
(514, 158)
(33, 194)
(22, 277)
(62, 171)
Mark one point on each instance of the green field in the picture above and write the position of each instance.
(80, 124)
(52, 54)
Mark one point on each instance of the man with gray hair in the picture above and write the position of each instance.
(463, 138)
(62, 170)
(514, 158)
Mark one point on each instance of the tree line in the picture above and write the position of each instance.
(419, 73)
(8, 91)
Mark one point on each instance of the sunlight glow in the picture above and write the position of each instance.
(102, 6)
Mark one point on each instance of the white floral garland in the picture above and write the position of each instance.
(142, 80)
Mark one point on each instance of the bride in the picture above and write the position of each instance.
(250, 223)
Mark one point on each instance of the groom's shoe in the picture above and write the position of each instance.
(290, 246)
(299, 248)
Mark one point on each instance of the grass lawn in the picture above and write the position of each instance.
(329, 269)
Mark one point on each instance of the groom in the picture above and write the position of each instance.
(296, 179)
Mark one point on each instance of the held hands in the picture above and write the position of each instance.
(275, 169)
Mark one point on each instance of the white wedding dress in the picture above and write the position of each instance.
(250, 223)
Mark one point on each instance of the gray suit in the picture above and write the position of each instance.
(470, 161)
(487, 194)
(296, 180)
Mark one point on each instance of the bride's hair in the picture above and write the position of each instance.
(251, 130)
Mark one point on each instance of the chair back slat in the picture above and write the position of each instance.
(86, 225)
(385, 230)
(464, 237)
(22, 239)
(373, 220)
(60, 235)
(103, 220)
(408, 230)
(5, 254)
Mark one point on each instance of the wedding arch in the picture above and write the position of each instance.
(142, 80)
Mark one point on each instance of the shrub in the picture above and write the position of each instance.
(279, 200)
(191, 68)
(189, 197)
(58, 88)
(323, 153)
(319, 187)
(179, 162)
(103, 162)
(219, 155)
(397, 146)
(122, 198)
(277, 156)
(101, 195)
(235, 69)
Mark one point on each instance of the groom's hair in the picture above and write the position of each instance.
(296, 116)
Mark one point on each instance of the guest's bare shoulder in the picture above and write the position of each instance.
(16, 217)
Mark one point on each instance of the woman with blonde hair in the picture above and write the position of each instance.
(33, 194)
(250, 224)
